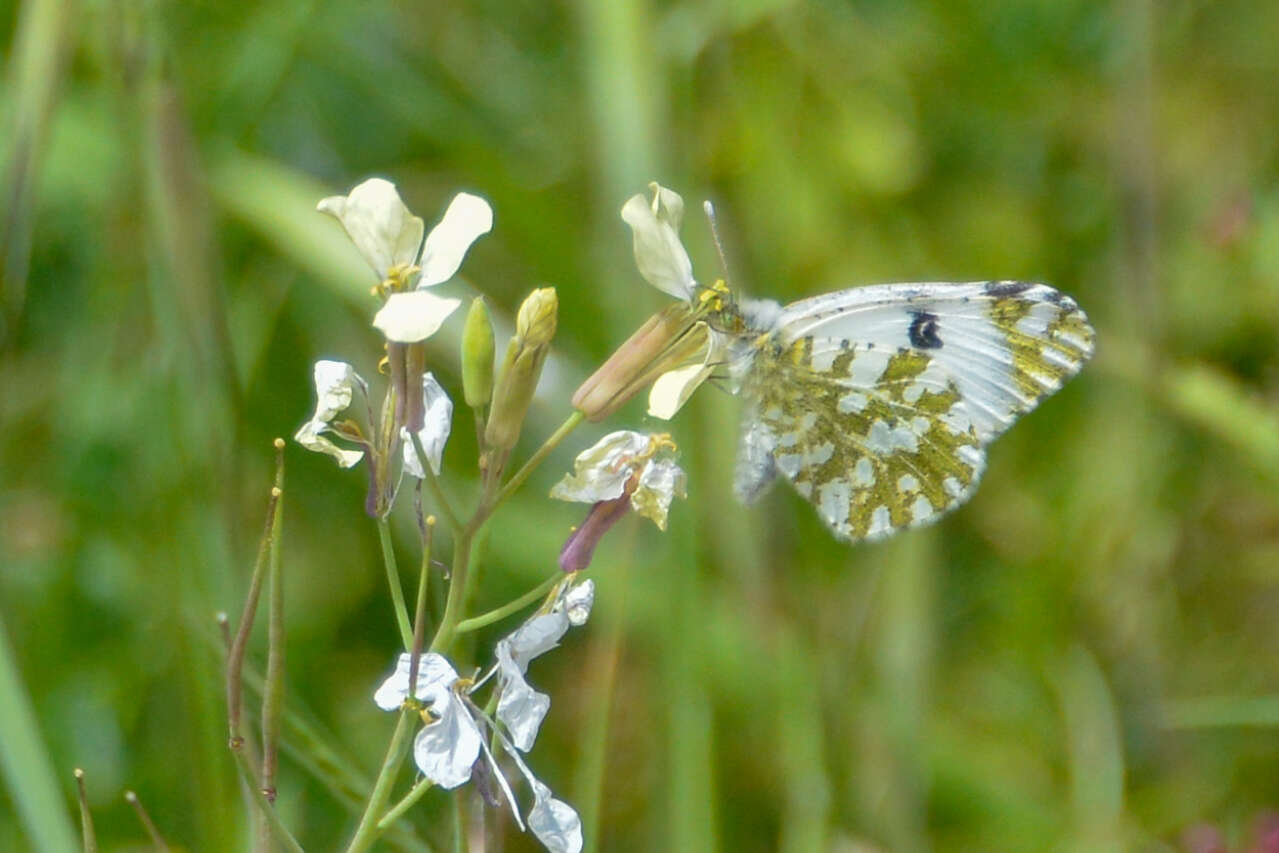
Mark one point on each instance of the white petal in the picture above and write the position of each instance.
(659, 254)
(600, 472)
(384, 231)
(577, 602)
(445, 751)
(435, 428)
(673, 388)
(521, 708)
(660, 481)
(467, 218)
(435, 678)
(309, 436)
(407, 318)
(535, 637)
(555, 823)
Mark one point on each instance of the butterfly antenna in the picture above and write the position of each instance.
(719, 244)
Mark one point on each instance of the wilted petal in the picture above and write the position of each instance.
(521, 708)
(435, 677)
(660, 481)
(600, 472)
(309, 436)
(577, 603)
(467, 218)
(407, 318)
(446, 749)
(659, 254)
(555, 823)
(435, 430)
(384, 231)
(335, 383)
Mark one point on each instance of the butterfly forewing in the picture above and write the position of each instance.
(877, 402)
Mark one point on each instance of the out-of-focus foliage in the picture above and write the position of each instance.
(1085, 657)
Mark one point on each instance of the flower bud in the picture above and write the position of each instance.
(668, 340)
(535, 323)
(477, 355)
(517, 380)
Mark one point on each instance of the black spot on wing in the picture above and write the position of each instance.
(1003, 289)
(923, 331)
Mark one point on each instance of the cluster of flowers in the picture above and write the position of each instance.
(449, 746)
(623, 471)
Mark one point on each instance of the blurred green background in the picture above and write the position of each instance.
(1086, 657)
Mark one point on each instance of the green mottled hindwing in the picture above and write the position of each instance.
(877, 402)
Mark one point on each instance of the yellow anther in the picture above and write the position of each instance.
(660, 441)
(398, 278)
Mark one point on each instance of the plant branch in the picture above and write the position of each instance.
(368, 830)
(485, 619)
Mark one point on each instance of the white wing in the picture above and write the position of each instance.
(877, 402)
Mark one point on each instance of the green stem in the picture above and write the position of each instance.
(393, 579)
(397, 811)
(419, 613)
(368, 830)
(86, 817)
(456, 601)
(518, 478)
(273, 694)
(460, 841)
(433, 483)
(485, 619)
(278, 829)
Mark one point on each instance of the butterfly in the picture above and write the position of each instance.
(877, 403)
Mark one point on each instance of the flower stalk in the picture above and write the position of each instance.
(273, 693)
(393, 582)
(368, 830)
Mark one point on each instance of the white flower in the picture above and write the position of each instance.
(659, 254)
(435, 430)
(335, 382)
(447, 748)
(389, 237)
(626, 463)
(664, 262)
(449, 745)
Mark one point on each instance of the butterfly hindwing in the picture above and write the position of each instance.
(877, 402)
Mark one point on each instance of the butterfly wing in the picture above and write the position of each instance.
(877, 402)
